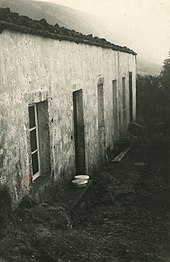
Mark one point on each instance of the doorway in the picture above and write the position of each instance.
(101, 123)
(79, 138)
(115, 110)
(124, 102)
(130, 98)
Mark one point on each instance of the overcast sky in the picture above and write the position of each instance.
(145, 23)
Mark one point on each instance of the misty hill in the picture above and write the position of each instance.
(144, 67)
(53, 13)
(77, 20)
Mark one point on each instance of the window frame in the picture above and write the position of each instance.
(37, 150)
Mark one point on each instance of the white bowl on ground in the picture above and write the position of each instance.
(79, 182)
(82, 177)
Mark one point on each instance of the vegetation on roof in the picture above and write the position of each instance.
(15, 22)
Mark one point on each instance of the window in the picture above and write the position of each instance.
(39, 139)
(34, 141)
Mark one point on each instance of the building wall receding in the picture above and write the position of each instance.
(36, 69)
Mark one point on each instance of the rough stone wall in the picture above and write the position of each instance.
(34, 69)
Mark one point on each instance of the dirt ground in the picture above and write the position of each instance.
(128, 218)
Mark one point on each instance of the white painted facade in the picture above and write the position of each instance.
(35, 69)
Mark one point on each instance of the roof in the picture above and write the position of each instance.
(19, 23)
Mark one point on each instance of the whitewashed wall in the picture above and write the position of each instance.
(34, 69)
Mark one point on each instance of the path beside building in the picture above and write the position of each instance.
(128, 220)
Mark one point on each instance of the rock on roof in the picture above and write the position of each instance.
(15, 22)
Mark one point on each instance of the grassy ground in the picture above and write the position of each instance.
(128, 219)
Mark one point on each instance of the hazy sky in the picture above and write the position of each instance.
(145, 23)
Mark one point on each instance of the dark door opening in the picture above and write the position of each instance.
(115, 110)
(79, 138)
(101, 124)
(124, 101)
(130, 98)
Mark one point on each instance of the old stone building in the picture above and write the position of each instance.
(65, 98)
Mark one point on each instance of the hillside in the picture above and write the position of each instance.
(53, 13)
(79, 21)
(145, 67)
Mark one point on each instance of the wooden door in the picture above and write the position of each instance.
(79, 138)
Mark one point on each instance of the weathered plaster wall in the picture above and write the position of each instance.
(35, 69)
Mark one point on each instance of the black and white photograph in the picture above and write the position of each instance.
(84, 131)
